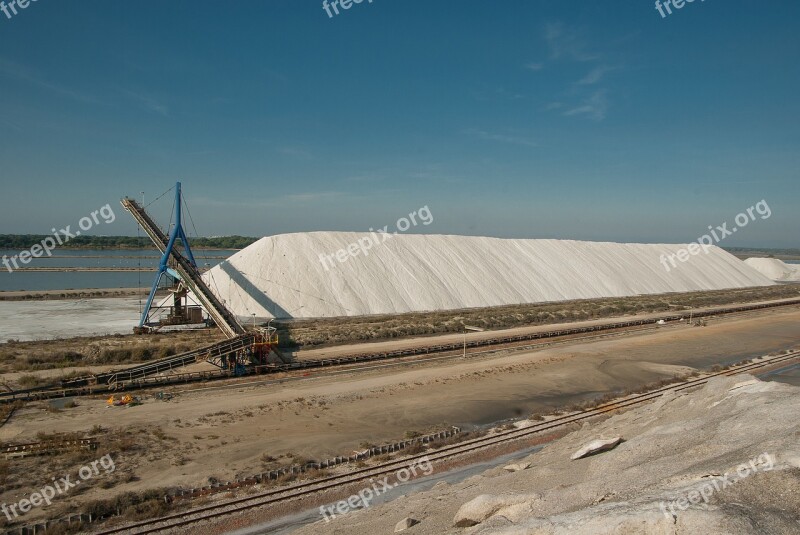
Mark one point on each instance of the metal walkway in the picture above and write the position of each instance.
(212, 354)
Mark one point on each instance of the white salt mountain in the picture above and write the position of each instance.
(295, 276)
(775, 269)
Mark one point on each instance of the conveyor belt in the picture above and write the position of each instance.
(224, 319)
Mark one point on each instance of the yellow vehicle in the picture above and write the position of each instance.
(127, 399)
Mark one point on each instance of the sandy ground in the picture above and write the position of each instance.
(222, 432)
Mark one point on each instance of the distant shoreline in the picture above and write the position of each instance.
(124, 248)
(26, 241)
(783, 257)
(87, 269)
(83, 293)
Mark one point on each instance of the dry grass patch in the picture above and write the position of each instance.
(314, 332)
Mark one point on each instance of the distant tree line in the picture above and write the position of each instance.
(759, 250)
(26, 241)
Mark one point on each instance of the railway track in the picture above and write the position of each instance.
(16, 451)
(273, 497)
(136, 378)
(409, 361)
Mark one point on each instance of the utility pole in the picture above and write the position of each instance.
(473, 329)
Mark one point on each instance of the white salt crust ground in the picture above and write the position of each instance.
(284, 276)
(46, 320)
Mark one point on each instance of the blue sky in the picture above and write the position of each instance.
(573, 119)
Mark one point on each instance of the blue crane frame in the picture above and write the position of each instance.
(163, 267)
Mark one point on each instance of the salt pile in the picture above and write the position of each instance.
(775, 269)
(294, 275)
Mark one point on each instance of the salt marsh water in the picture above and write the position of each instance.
(94, 258)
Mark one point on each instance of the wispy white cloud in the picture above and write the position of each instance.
(296, 152)
(275, 75)
(588, 96)
(595, 107)
(535, 66)
(148, 103)
(311, 197)
(13, 125)
(502, 138)
(496, 93)
(306, 198)
(434, 172)
(595, 75)
(375, 177)
(15, 71)
(567, 44)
